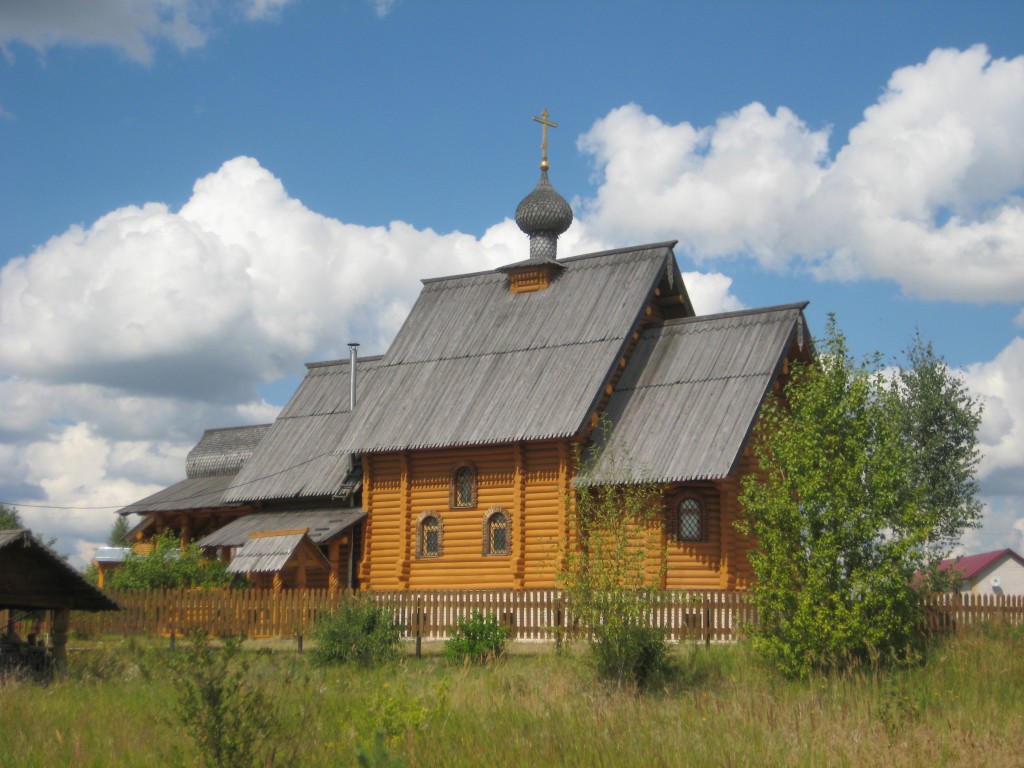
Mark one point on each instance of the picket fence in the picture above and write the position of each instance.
(532, 614)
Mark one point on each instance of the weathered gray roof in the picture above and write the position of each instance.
(322, 523)
(688, 398)
(472, 364)
(267, 554)
(476, 364)
(302, 453)
(190, 493)
(223, 451)
(33, 576)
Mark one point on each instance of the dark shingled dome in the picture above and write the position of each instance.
(543, 210)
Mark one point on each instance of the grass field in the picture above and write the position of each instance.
(963, 706)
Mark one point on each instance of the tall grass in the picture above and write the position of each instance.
(962, 705)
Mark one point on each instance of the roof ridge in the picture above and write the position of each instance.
(498, 271)
(240, 426)
(494, 353)
(801, 305)
(670, 244)
(343, 361)
(677, 382)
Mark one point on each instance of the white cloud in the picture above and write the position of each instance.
(927, 187)
(133, 26)
(997, 383)
(263, 9)
(382, 7)
(122, 340)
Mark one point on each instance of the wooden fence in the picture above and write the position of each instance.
(956, 612)
(533, 614)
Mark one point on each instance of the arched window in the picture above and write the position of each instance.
(691, 520)
(429, 535)
(463, 488)
(497, 532)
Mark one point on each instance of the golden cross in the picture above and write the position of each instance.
(543, 120)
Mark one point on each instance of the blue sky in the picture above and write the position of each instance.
(199, 196)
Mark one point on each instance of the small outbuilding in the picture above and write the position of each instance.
(34, 578)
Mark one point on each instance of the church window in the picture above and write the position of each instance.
(429, 535)
(497, 538)
(463, 487)
(691, 520)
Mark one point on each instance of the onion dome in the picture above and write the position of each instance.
(543, 215)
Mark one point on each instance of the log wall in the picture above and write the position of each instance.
(529, 481)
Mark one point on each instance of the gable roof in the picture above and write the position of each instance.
(472, 364)
(267, 554)
(969, 567)
(223, 451)
(304, 453)
(210, 468)
(190, 493)
(689, 396)
(33, 576)
(321, 523)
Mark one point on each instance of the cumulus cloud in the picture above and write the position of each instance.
(121, 341)
(997, 383)
(134, 27)
(927, 186)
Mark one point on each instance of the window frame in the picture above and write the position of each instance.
(455, 500)
(487, 537)
(701, 514)
(421, 534)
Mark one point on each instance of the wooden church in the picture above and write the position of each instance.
(449, 461)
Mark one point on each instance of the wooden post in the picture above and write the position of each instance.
(418, 625)
(59, 638)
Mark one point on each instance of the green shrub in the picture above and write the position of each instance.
(170, 566)
(478, 638)
(230, 715)
(359, 632)
(629, 652)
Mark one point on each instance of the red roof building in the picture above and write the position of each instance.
(990, 573)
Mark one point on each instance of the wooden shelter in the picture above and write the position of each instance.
(459, 452)
(33, 578)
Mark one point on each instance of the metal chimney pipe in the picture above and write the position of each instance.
(353, 354)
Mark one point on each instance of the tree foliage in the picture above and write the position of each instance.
(170, 566)
(230, 713)
(608, 576)
(866, 478)
(118, 531)
(10, 518)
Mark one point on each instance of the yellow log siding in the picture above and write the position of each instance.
(527, 481)
(531, 483)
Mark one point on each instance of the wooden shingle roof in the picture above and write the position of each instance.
(33, 576)
(267, 554)
(223, 451)
(687, 401)
(321, 523)
(190, 493)
(307, 450)
(473, 364)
